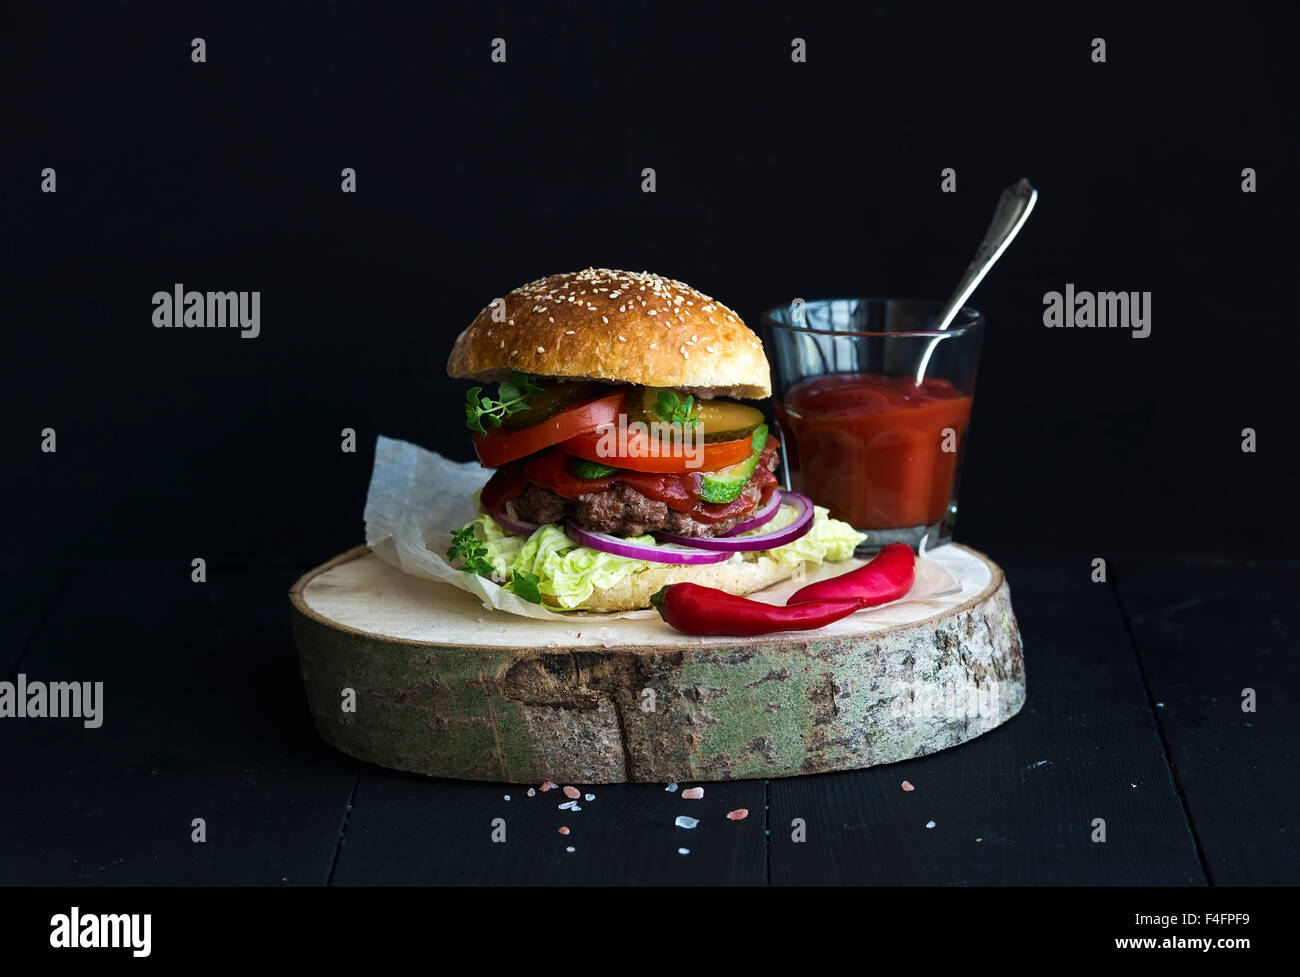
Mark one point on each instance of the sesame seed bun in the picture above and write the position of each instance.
(619, 327)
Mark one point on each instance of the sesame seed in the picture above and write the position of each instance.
(541, 349)
(622, 339)
(551, 318)
(653, 345)
(710, 349)
(651, 312)
(605, 320)
(568, 332)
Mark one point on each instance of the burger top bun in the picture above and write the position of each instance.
(616, 326)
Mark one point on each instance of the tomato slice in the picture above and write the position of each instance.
(551, 471)
(500, 446)
(643, 453)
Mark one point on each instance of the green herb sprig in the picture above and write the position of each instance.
(670, 408)
(466, 546)
(512, 397)
(472, 551)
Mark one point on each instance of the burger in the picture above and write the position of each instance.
(625, 457)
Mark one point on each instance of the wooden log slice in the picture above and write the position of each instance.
(447, 688)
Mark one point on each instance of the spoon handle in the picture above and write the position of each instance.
(1012, 211)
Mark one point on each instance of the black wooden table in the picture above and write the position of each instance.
(1134, 717)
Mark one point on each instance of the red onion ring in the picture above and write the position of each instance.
(764, 541)
(687, 555)
(761, 515)
(513, 525)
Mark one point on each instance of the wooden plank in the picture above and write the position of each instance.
(1204, 634)
(408, 830)
(203, 717)
(26, 600)
(1017, 804)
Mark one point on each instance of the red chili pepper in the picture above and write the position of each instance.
(694, 609)
(888, 577)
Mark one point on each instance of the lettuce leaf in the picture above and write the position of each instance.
(826, 539)
(501, 545)
(567, 574)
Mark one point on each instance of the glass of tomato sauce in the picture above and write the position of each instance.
(873, 406)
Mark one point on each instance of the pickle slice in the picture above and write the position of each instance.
(558, 396)
(727, 484)
(720, 420)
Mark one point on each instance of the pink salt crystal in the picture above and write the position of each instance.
(693, 793)
(907, 786)
(572, 792)
(547, 786)
(739, 814)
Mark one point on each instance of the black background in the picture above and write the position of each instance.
(775, 180)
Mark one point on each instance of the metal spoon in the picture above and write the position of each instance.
(1014, 207)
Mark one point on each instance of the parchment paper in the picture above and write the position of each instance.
(418, 497)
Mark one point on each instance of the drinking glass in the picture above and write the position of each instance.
(873, 409)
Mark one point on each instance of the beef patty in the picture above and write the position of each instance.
(623, 511)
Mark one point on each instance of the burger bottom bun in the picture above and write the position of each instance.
(635, 590)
